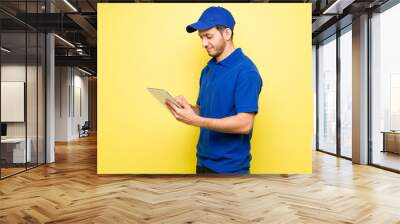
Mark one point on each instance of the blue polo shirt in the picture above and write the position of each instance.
(227, 88)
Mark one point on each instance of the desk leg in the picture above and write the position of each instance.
(384, 142)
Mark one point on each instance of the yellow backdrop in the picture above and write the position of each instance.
(146, 45)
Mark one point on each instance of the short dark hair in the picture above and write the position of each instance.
(222, 28)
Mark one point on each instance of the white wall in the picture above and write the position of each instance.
(80, 84)
(9, 73)
(12, 73)
(71, 87)
(62, 81)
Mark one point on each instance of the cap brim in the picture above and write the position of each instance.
(199, 26)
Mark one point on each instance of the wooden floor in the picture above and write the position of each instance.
(69, 191)
(5, 172)
(387, 159)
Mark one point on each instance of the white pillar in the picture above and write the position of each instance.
(360, 90)
(50, 91)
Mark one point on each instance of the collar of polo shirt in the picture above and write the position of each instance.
(229, 61)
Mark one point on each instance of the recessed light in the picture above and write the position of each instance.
(64, 40)
(70, 5)
(84, 71)
(5, 50)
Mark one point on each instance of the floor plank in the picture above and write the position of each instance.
(70, 191)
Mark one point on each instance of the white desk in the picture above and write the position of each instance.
(19, 149)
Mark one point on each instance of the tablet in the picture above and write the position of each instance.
(162, 95)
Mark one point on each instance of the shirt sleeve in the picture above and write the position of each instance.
(247, 91)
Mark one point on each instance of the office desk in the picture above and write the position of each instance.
(15, 148)
(391, 141)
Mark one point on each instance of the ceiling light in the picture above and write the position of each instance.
(84, 71)
(70, 5)
(5, 50)
(64, 40)
(338, 6)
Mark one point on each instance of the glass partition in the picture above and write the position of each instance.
(14, 153)
(22, 77)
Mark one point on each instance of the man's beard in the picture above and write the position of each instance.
(218, 50)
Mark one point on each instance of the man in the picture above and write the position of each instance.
(228, 100)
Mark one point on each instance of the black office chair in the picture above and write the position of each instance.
(84, 130)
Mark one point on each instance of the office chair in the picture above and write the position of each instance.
(84, 130)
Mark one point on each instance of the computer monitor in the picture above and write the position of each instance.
(3, 129)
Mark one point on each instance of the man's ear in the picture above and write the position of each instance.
(227, 34)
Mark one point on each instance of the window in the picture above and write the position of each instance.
(327, 95)
(385, 88)
(346, 93)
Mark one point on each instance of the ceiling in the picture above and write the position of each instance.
(76, 22)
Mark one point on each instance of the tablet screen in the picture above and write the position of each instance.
(162, 95)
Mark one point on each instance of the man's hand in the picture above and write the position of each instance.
(241, 123)
(186, 114)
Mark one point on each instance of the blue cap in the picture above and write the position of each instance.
(213, 16)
